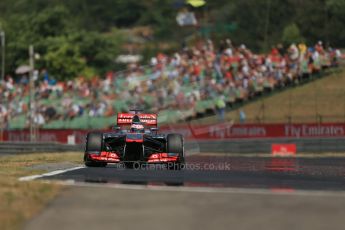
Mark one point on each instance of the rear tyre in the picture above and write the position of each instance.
(94, 144)
(175, 145)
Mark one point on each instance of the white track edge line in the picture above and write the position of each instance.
(53, 173)
(253, 191)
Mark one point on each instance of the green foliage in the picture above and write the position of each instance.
(81, 53)
(63, 58)
(335, 32)
(259, 22)
(291, 34)
(84, 29)
(66, 50)
(51, 22)
(99, 50)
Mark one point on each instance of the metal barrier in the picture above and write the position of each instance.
(305, 145)
(38, 147)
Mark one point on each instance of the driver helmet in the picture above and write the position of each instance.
(137, 128)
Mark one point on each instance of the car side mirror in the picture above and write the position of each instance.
(155, 129)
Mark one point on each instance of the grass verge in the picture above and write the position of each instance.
(20, 201)
(321, 100)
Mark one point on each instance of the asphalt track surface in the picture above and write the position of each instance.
(212, 192)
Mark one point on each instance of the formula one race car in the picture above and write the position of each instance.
(134, 141)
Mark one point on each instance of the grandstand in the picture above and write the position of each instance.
(318, 99)
(193, 82)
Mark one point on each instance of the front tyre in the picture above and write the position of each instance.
(95, 164)
(94, 144)
(175, 144)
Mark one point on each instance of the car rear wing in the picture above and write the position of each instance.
(149, 119)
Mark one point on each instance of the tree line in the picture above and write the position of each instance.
(83, 37)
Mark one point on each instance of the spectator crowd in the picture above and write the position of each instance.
(202, 72)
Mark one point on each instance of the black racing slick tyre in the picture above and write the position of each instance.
(95, 164)
(175, 145)
(94, 144)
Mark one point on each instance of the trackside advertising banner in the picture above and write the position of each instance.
(203, 132)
